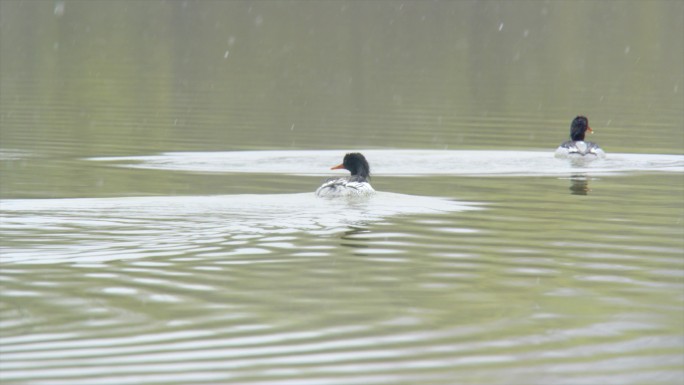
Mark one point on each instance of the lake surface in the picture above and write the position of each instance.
(158, 224)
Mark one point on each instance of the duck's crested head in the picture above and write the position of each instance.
(356, 163)
(579, 126)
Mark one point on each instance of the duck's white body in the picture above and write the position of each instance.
(573, 149)
(344, 188)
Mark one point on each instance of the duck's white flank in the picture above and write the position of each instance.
(344, 187)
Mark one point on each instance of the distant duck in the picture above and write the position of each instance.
(576, 147)
(355, 185)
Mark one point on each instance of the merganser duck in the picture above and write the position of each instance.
(355, 185)
(576, 147)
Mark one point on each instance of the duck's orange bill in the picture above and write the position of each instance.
(590, 130)
(339, 166)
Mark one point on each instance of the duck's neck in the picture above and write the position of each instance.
(361, 174)
(577, 135)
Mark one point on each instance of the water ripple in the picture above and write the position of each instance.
(97, 230)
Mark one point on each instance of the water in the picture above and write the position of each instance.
(395, 162)
(158, 162)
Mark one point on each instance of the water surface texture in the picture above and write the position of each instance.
(158, 224)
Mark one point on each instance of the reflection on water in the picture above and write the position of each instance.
(160, 76)
(579, 184)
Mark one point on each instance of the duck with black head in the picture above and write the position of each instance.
(356, 185)
(577, 147)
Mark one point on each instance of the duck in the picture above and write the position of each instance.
(577, 147)
(356, 185)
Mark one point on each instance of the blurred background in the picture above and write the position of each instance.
(129, 77)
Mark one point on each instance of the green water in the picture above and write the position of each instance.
(146, 275)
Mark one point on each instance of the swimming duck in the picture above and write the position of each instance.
(576, 146)
(355, 185)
